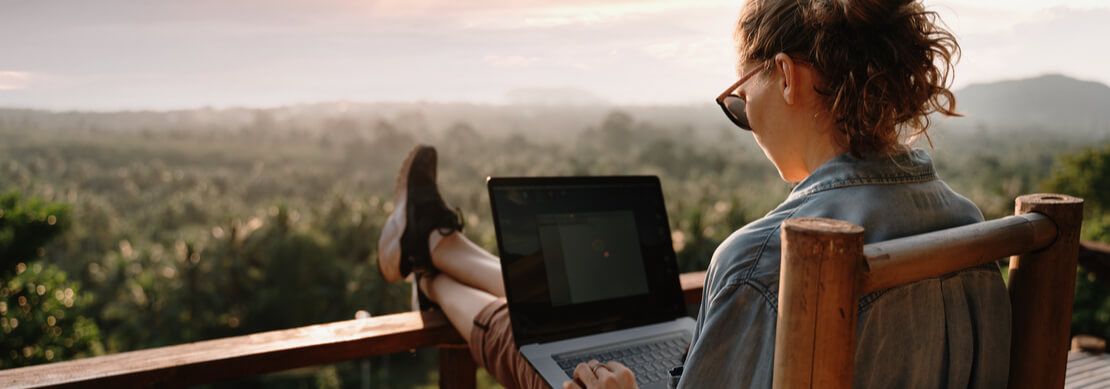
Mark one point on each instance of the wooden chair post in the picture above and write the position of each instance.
(815, 340)
(1042, 286)
(456, 367)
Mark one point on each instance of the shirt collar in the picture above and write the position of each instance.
(911, 165)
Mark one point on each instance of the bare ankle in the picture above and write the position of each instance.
(434, 238)
(425, 285)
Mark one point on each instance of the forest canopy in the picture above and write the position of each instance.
(156, 233)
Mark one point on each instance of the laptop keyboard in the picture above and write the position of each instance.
(651, 360)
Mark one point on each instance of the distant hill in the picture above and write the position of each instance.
(1050, 101)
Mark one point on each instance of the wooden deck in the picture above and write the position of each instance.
(1087, 370)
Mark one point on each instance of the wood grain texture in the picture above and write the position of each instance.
(914, 258)
(815, 337)
(1087, 370)
(1042, 287)
(222, 359)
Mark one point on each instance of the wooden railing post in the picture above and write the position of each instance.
(815, 340)
(456, 367)
(1042, 286)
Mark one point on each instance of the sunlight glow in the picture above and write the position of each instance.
(563, 15)
(13, 80)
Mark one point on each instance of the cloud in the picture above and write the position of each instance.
(214, 52)
(1057, 40)
(13, 80)
(552, 14)
(510, 61)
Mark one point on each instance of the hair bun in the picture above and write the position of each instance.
(871, 14)
(885, 66)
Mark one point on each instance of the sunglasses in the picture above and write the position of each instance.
(733, 104)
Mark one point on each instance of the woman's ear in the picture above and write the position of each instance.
(790, 77)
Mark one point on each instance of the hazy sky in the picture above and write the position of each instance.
(116, 54)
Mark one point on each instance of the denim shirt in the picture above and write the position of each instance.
(951, 331)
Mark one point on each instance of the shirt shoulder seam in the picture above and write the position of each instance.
(770, 298)
(858, 181)
(767, 239)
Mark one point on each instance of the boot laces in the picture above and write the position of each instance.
(452, 221)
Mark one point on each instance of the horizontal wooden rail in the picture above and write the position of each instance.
(247, 355)
(222, 359)
(901, 261)
(692, 284)
(1095, 258)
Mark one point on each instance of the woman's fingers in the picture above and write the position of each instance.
(596, 375)
(622, 373)
(584, 374)
(606, 379)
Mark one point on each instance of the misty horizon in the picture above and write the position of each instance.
(567, 97)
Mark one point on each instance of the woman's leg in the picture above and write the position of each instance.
(483, 321)
(466, 262)
(467, 282)
(459, 302)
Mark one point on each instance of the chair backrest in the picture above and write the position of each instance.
(826, 268)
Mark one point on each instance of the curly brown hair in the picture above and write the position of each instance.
(884, 65)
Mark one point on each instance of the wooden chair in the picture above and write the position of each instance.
(826, 268)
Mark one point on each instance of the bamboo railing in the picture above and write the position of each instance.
(824, 261)
(826, 268)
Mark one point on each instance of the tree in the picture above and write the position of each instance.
(25, 226)
(41, 312)
(41, 318)
(1087, 174)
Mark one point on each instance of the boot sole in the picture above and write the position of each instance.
(400, 193)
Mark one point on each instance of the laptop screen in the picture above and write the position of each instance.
(583, 255)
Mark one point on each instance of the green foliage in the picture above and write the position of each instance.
(42, 314)
(269, 272)
(25, 226)
(1091, 311)
(327, 378)
(993, 169)
(42, 320)
(196, 233)
(1086, 174)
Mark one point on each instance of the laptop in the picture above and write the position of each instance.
(590, 273)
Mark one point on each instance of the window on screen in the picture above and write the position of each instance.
(592, 256)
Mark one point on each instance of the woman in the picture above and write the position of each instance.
(833, 92)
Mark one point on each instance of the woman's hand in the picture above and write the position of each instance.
(597, 375)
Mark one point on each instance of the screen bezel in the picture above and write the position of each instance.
(665, 295)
